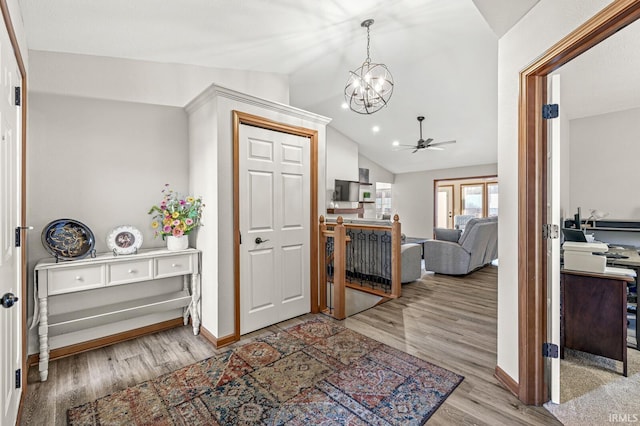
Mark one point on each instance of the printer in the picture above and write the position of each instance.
(579, 256)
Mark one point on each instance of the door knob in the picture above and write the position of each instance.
(260, 240)
(8, 300)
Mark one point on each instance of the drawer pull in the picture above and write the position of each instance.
(132, 271)
(174, 265)
(78, 278)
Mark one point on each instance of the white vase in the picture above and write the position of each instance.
(177, 243)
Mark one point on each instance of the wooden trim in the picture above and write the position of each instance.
(506, 380)
(532, 279)
(339, 270)
(369, 290)
(436, 190)
(265, 123)
(8, 23)
(322, 283)
(108, 340)
(217, 342)
(466, 178)
(396, 257)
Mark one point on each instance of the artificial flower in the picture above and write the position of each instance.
(177, 215)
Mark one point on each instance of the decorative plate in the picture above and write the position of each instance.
(124, 239)
(68, 239)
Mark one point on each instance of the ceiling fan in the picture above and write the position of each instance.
(426, 144)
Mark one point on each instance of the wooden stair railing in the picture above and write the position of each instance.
(337, 231)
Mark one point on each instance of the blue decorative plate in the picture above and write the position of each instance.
(68, 239)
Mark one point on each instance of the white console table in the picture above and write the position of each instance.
(104, 271)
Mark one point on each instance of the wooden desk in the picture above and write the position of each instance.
(594, 314)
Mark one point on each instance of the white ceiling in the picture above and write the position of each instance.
(442, 54)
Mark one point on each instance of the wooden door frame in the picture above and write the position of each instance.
(8, 23)
(265, 123)
(436, 190)
(532, 190)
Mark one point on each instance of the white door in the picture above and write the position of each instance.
(275, 209)
(10, 190)
(553, 245)
(444, 207)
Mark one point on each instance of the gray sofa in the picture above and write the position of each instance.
(453, 252)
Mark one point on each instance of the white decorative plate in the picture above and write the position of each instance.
(124, 239)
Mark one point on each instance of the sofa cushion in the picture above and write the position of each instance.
(444, 234)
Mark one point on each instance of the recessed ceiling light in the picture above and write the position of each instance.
(375, 129)
(344, 105)
(395, 143)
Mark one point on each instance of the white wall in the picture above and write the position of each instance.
(143, 81)
(603, 164)
(377, 173)
(101, 162)
(342, 158)
(547, 23)
(412, 196)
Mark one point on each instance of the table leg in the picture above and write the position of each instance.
(187, 309)
(195, 303)
(43, 334)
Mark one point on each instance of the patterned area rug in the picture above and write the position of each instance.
(316, 372)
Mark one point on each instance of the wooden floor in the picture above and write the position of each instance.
(450, 321)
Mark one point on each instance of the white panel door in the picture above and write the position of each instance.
(10, 172)
(553, 245)
(274, 225)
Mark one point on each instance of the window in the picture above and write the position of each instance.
(464, 197)
(383, 199)
(472, 200)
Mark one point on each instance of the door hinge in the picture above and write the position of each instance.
(550, 111)
(549, 350)
(240, 237)
(18, 378)
(18, 97)
(18, 236)
(550, 231)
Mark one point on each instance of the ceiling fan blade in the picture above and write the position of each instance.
(410, 146)
(442, 143)
(428, 141)
(435, 148)
(415, 150)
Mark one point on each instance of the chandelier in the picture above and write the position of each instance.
(369, 87)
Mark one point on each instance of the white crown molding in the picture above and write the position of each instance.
(214, 91)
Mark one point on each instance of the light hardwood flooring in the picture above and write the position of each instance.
(450, 321)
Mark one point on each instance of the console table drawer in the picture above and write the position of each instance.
(75, 279)
(171, 266)
(128, 272)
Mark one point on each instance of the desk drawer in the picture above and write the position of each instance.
(130, 272)
(171, 266)
(68, 280)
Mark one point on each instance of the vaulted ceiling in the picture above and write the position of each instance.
(442, 54)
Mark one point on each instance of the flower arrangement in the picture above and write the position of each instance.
(176, 215)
